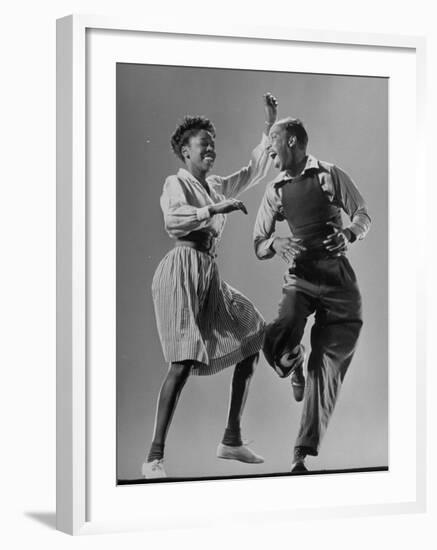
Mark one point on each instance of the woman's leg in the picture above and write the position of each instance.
(243, 373)
(232, 446)
(167, 400)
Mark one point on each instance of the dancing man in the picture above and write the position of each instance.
(310, 194)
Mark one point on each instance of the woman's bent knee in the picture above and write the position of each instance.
(179, 371)
(247, 366)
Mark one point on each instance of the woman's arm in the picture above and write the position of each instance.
(231, 186)
(180, 217)
(265, 224)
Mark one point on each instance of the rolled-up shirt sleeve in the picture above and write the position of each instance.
(349, 198)
(265, 224)
(180, 218)
(248, 176)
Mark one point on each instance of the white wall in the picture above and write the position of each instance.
(27, 221)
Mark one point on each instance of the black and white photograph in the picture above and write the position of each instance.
(251, 273)
(218, 273)
(171, 354)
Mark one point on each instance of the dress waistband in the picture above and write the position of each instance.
(201, 247)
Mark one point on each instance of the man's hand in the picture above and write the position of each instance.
(270, 108)
(337, 241)
(287, 248)
(227, 206)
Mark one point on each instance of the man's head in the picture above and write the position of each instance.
(288, 143)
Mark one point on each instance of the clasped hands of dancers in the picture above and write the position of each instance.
(203, 332)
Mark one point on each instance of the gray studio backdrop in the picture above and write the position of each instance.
(347, 121)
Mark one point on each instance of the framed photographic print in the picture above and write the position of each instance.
(172, 350)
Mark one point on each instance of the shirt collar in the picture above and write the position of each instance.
(311, 164)
(184, 174)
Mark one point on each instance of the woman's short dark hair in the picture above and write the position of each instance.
(295, 127)
(190, 126)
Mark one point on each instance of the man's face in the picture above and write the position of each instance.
(279, 149)
(199, 153)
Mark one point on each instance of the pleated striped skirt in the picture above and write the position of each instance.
(200, 317)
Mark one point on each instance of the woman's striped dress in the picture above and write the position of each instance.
(200, 317)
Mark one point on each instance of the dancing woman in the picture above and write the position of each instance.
(204, 324)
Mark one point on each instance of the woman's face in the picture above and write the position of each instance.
(199, 152)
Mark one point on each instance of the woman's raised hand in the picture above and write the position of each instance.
(270, 108)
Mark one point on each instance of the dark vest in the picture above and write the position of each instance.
(307, 210)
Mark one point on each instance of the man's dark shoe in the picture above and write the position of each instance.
(299, 456)
(298, 467)
(289, 362)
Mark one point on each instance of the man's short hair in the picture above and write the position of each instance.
(190, 126)
(295, 127)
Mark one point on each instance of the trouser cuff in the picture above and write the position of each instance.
(301, 451)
